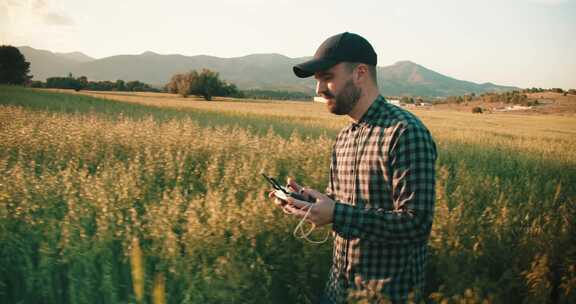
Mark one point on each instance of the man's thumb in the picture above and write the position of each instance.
(294, 185)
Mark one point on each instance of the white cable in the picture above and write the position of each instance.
(304, 235)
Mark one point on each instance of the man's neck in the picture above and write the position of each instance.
(364, 104)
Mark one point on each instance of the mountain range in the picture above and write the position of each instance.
(256, 71)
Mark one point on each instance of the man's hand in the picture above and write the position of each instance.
(322, 211)
(292, 185)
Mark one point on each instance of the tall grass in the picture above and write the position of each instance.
(106, 204)
(283, 125)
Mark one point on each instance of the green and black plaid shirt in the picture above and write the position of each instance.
(382, 179)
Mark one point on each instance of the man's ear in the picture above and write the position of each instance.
(361, 73)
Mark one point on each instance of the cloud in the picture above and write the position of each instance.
(45, 11)
(57, 19)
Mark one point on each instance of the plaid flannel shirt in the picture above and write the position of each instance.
(382, 179)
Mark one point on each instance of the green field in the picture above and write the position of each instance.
(158, 199)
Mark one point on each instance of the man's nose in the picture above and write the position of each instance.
(320, 87)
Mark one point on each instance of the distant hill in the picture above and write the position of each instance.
(257, 71)
(408, 78)
(76, 56)
(44, 64)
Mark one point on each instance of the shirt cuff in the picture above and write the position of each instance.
(343, 220)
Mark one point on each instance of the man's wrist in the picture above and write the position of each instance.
(342, 218)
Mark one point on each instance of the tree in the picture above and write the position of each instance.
(36, 84)
(14, 68)
(171, 87)
(184, 83)
(180, 83)
(120, 85)
(557, 90)
(407, 100)
(206, 84)
(83, 80)
(64, 83)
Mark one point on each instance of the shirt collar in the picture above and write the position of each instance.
(371, 113)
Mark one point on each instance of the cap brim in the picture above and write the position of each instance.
(308, 68)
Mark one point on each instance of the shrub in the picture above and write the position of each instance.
(477, 110)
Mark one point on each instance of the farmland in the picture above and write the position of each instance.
(157, 199)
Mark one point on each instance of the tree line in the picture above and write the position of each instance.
(554, 90)
(82, 83)
(277, 95)
(512, 97)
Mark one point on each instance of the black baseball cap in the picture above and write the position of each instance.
(346, 46)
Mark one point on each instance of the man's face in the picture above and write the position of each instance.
(337, 87)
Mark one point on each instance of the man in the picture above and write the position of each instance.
(380, 197)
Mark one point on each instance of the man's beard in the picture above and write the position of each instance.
(345, 101)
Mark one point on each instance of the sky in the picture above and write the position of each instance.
(524, 43)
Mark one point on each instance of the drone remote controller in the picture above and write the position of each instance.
(283, 193)
(283, 196)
